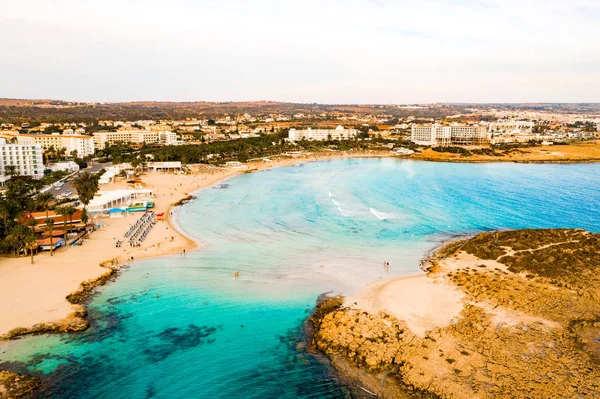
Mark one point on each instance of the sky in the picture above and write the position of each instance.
(327, 51)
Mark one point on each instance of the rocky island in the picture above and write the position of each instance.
(511, 314)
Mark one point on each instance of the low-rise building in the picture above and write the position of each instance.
(128, 200)
(66, 166)
(339, 133)
(164, 166)
(136, 138)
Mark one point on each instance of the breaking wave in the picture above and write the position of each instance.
(381, 215)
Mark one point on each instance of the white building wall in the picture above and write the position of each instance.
(26, 157)
(339, 133)
(439, 135)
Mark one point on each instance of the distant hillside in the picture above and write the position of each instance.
(32, 111)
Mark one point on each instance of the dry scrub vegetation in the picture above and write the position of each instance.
(529, 328)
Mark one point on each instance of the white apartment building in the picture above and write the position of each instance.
(439, 135)
(82, 145)
(511, 127)
(134, 137)
(339, 133)
(26, 157)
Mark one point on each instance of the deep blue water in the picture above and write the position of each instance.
(185, 328)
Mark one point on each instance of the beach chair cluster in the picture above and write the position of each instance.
(139, 231)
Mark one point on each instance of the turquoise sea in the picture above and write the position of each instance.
(180, 327)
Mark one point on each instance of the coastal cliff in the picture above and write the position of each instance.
(528, 322)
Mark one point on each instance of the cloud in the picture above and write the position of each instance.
(309, 51)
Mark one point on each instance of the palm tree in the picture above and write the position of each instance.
(86, 186)
(32, 223)
(10, 170)
(17, 237)
(66, 211)
(31, 243)
(5, 213)
(50, 225)
(44, 200)
(61, 210)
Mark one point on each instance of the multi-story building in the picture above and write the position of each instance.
(135, 138)
(439, 135)
(82, 145)
(511, 126)
(339, 133)
(26, 157)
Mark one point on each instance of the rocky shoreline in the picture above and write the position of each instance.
(76, 321)
(529, 325)
(13, 385)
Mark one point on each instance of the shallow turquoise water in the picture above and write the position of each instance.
(185, 328)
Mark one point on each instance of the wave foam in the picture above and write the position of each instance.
(338, 204)
(381, 215)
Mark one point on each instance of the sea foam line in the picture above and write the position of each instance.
(381, 215)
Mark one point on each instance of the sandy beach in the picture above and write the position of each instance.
(36, 293)
(422, 302)
(426, 301)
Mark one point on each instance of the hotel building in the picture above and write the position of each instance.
(26, 157)
(339, 133)
(135, 138)
(439, 135)
(82, 145)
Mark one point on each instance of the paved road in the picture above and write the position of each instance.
(95, 168)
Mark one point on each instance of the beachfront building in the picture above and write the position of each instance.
(164, 166)
(59, 221)
(80, 144)
(126, 200)
(72, 226)
(440, 135)
(23, 159)
(111, 172)
(339, 133)
(136, 138)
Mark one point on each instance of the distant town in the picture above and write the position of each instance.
(36, 147)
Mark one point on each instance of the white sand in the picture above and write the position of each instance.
(421, 301)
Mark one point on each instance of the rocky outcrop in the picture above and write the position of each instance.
(14, 386)
(76, 321)
(529, 332)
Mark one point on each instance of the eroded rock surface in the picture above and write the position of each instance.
(529, 326)
(13, 386)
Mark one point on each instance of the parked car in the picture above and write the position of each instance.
(68, 192)
(76, 203)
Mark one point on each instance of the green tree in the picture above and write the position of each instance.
(86, 186)
(10, 170)
(31, 243)
(31, 223)
(17, 237)
(44, 200)
(66, 211)
(50, 227)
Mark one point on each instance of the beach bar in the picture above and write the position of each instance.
(127, 200)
